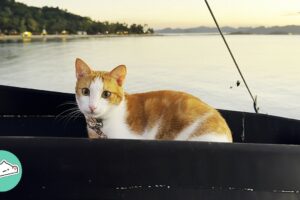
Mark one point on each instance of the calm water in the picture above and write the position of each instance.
(198, 64)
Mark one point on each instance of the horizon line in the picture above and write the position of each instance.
(258, 26)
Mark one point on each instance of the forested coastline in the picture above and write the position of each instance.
(16, 18)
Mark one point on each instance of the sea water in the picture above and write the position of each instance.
(197, 64)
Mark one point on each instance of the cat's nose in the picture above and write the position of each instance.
(92, 108)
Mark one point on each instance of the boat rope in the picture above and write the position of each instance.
(254, 99)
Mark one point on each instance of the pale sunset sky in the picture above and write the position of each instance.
(178, 13)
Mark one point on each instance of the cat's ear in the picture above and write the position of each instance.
(119, 73)
(82, 69)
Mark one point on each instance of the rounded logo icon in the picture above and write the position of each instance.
(10, 171)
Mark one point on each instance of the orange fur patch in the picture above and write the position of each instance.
(213, 124)
(173, 110)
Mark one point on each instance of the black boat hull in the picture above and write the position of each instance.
(59, 162)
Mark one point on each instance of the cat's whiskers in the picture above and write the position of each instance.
(65, 112)
(71, 116)
(67, 104)
(68, 118)
(67, 115)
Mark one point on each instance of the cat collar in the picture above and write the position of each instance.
(96, 125)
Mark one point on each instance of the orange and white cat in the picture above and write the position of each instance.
(167, 115)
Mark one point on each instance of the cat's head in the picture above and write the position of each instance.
(98, 92)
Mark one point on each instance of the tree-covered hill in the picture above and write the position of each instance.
(17, 17)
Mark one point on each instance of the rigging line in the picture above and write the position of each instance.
(231, 54)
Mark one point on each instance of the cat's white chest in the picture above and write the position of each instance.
(115, 126)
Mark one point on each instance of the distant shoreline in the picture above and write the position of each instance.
(261, 30)
(40, 38)
(19, 38)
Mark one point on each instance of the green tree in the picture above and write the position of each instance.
(22, 26)
(136, 28)
(32, 25)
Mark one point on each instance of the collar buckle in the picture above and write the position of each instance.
(96, 125)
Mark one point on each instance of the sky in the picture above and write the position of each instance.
(182, 14)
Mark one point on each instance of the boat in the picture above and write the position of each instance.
(26, 36)
(44, 32)
(60, 162)
(64, 33)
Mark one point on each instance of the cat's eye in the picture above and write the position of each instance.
(85, 91)
(106, 94)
